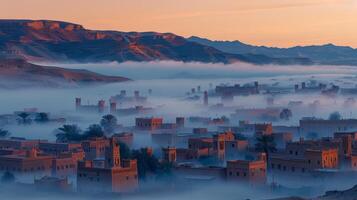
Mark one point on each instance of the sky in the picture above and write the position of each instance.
(281, 23)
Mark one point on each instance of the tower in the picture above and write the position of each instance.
(112, 154)
(101, 105)
(169, 154)
(180, 121)
(78, 103)
(113, 107)
(205, 98)
(136, 94)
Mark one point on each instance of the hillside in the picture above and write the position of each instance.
(19, 73)
(44, 40)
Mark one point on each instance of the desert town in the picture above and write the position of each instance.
(251, 146)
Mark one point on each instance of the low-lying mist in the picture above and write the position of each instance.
(170, 81)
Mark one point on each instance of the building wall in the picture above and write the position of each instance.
(250, 171)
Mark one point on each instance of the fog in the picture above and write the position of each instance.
(169, 82)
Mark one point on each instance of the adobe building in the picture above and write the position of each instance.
(100, 107)
(305, 157)
(125, 137)
(125, 100)
(216, 146)
(251, 171)
(110, 174)
(148, 123)
(325, 128)
(238, 171)
(95, 148)
(55, 148)
(32, 162)
(18, 143)
(237, 89)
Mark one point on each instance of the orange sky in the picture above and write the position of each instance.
(262, 22)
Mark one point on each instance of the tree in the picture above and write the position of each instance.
(69, 133)
(124, 151)
(7, 177)
(4, 133)
(335, 116)
(94, 130)
(146, 163)
(24, 118)
(286, 114)
(266, 144)
(42, 117)
(109, 123)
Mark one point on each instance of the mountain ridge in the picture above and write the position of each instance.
(329, 53)
(47, 40)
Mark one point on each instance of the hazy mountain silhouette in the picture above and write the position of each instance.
(323, 54)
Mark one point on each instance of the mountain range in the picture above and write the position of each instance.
(44, 40)
(328, 54)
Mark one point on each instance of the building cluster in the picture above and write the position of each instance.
(95, 164)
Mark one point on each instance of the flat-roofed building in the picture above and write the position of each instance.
(111, 174)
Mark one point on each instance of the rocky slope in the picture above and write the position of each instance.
(44, 40)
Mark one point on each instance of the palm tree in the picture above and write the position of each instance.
(69, 133)
(266, 144)
(42, 117)
(94, 130)
(109, 123)
(286, 114)
(4, 133)
(24, 118)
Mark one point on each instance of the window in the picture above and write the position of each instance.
(230, 173)
(237, 173)
(245, 174)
